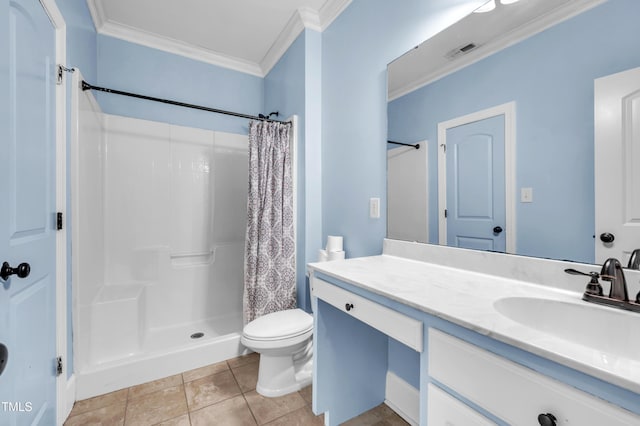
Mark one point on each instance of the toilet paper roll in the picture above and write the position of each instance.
(334, 243)
(322, 255)
(336, 255)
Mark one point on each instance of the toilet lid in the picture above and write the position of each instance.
(279, 325)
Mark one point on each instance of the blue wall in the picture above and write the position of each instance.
(134, 68)
(356, 49)
(550, 77)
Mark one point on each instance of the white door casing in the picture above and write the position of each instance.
(508, 110)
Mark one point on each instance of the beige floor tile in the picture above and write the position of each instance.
(230, 412)
(156, 385)
(178, 421)
(301, 417)
(243, 360)
(111, 415)
(381, 415)
(211, 389)
(307, 394)
(156, 407)
(268, 409)
(98, 402)
(246, 376)
(205, 371)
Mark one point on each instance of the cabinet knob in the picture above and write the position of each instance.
(547, 419)
(348, 306)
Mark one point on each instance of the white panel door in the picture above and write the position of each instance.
(27, 213)
(617, 165)
(475, 164)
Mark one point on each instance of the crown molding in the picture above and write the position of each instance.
(97, 13)
(330, 11)
(533, 27)
(296, 24)
(303, 18)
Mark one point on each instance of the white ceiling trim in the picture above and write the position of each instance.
(304, 18)
(167, 44)
(287, 36)
(539, 24)
(330, 11)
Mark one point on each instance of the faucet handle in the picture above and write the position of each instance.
(593, 287)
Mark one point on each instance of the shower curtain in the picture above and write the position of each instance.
(269, 261)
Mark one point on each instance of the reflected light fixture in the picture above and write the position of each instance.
(490, 5)
(487, 7)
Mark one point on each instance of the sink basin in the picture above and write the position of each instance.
(607, 330)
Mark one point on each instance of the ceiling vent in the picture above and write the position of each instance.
(461, 50)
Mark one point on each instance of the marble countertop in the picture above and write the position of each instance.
(467, 299)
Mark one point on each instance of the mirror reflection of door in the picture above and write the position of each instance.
(475, 185)
(617, 155)
(476, 180)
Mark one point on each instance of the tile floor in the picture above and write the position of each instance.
(218, 394)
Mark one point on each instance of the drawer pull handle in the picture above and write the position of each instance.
(547, 419)
(348, 306)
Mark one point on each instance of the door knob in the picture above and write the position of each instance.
(22, 271)
(497, 229)
(4, 357)
(607, 237)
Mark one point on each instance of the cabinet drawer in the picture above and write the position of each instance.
(392, 323)
(514, 393)
(443, 409)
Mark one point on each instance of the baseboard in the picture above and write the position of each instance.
(403, 398)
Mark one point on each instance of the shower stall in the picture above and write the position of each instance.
(158, 232)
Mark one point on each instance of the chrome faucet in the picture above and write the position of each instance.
(612, 271)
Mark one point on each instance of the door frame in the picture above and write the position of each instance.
(509, 111)
(65, 395)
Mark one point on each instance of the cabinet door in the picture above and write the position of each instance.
(514, 393)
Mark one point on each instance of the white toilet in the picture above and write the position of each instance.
(284, 341)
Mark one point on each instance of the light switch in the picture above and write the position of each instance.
(374, 208)
(526, 195)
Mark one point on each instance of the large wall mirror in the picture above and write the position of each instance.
(502, 106)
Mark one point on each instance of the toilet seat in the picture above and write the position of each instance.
(279, 325)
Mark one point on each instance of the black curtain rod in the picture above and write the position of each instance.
(416, 146)
(87, 86)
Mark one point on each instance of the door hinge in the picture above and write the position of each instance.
(59, 221)
(445, 213)
(444, 147)
(59, 368)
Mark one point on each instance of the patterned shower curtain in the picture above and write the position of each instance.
(269, 261)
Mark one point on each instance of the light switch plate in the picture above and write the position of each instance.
(526, 195)
(374, 208)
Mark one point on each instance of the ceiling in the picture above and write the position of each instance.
(245, 35)
(504, 26)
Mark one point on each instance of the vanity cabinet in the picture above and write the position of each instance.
(515, 394)
(464, 378)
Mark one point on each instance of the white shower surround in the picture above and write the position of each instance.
(159, 214)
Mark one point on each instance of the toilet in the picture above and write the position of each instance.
(284, 341)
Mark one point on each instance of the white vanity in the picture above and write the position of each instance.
(500, 339)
